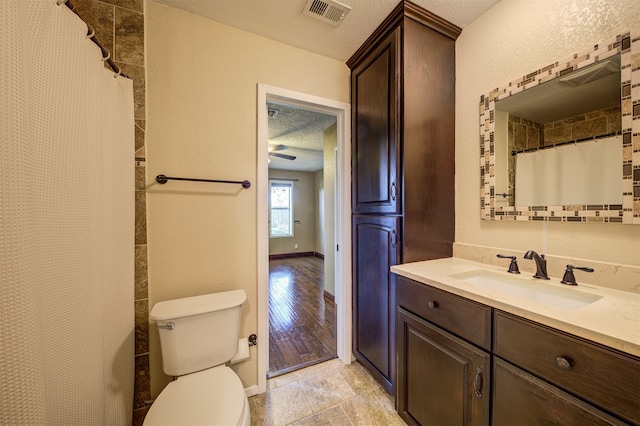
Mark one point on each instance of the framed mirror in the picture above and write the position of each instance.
(563, 142)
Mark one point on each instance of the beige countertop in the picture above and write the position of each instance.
(613, 320)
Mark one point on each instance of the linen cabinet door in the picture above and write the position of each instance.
(375, 138)
(442, 380)
(376, 248)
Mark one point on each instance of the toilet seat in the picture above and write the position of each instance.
(214, 396)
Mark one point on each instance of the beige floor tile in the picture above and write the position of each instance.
(256, 405)
(306, 372)
(319, 368)
(326, 389)
(271, 384)
(334, 416)
(372, 409)
(324, 394)
(284, 379)
(285, 405)
(358, 378)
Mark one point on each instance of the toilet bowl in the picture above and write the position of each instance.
(198, 337)
(210, 397)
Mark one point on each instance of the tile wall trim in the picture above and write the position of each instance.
(627, 44)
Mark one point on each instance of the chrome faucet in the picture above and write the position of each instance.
(541, 264)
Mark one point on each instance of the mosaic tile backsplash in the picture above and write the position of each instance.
(524, 134)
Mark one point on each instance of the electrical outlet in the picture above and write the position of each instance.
(295, 246)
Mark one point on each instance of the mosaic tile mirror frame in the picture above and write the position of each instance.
(627, 45)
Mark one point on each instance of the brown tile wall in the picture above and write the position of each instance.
(119, 27)
(524, 134)
(583, 126)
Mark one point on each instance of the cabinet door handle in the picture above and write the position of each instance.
(563, 362)
(393, 191)
(394, 239)
(478, 382)
(433, 304)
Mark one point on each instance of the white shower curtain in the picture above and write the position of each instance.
(584, 173)
(66, 223)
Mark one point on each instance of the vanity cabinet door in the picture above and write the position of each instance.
(522, 399)
(442, 380)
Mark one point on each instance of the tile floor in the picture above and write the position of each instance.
(329, 393)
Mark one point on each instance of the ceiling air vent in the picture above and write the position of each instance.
(328, 11)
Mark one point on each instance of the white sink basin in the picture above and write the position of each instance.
(532, 289)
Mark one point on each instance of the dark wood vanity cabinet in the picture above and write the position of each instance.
(461, 363)
(523, 399)
(402, 99)
(442, 378)
(578, 380)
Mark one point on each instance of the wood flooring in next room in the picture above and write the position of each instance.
(302, 321)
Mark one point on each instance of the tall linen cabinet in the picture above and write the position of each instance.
(402, 97)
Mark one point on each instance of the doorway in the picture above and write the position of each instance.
(340, 253)
(302, 318)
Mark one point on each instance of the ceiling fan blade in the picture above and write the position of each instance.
(278, 147)
(285, 156)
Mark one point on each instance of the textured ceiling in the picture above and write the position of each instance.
(283, 21)
(302, 132)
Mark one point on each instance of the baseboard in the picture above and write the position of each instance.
(329, 296)
(251, 391)
(292, 255)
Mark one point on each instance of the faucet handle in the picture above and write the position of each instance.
(569, 278)
(513, 266)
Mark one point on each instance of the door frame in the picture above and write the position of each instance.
(342, 111)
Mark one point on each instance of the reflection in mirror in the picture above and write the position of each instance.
(556, 145)
(578, 107)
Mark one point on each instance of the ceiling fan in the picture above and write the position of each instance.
(273, 148)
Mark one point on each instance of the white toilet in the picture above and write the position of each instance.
(198, 335)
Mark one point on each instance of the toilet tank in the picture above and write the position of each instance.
(198, 332)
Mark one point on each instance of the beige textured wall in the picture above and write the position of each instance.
(512, 39)
(201, 122)
(304, 210)
(330, 143)
(319, 202)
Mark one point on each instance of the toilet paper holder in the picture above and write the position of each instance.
(243, 348)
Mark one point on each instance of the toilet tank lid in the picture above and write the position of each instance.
(195, 305)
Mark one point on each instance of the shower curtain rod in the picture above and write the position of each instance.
(162, 179)
(606, 135)
(106, 54)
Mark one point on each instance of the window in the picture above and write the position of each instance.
(281, 199)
